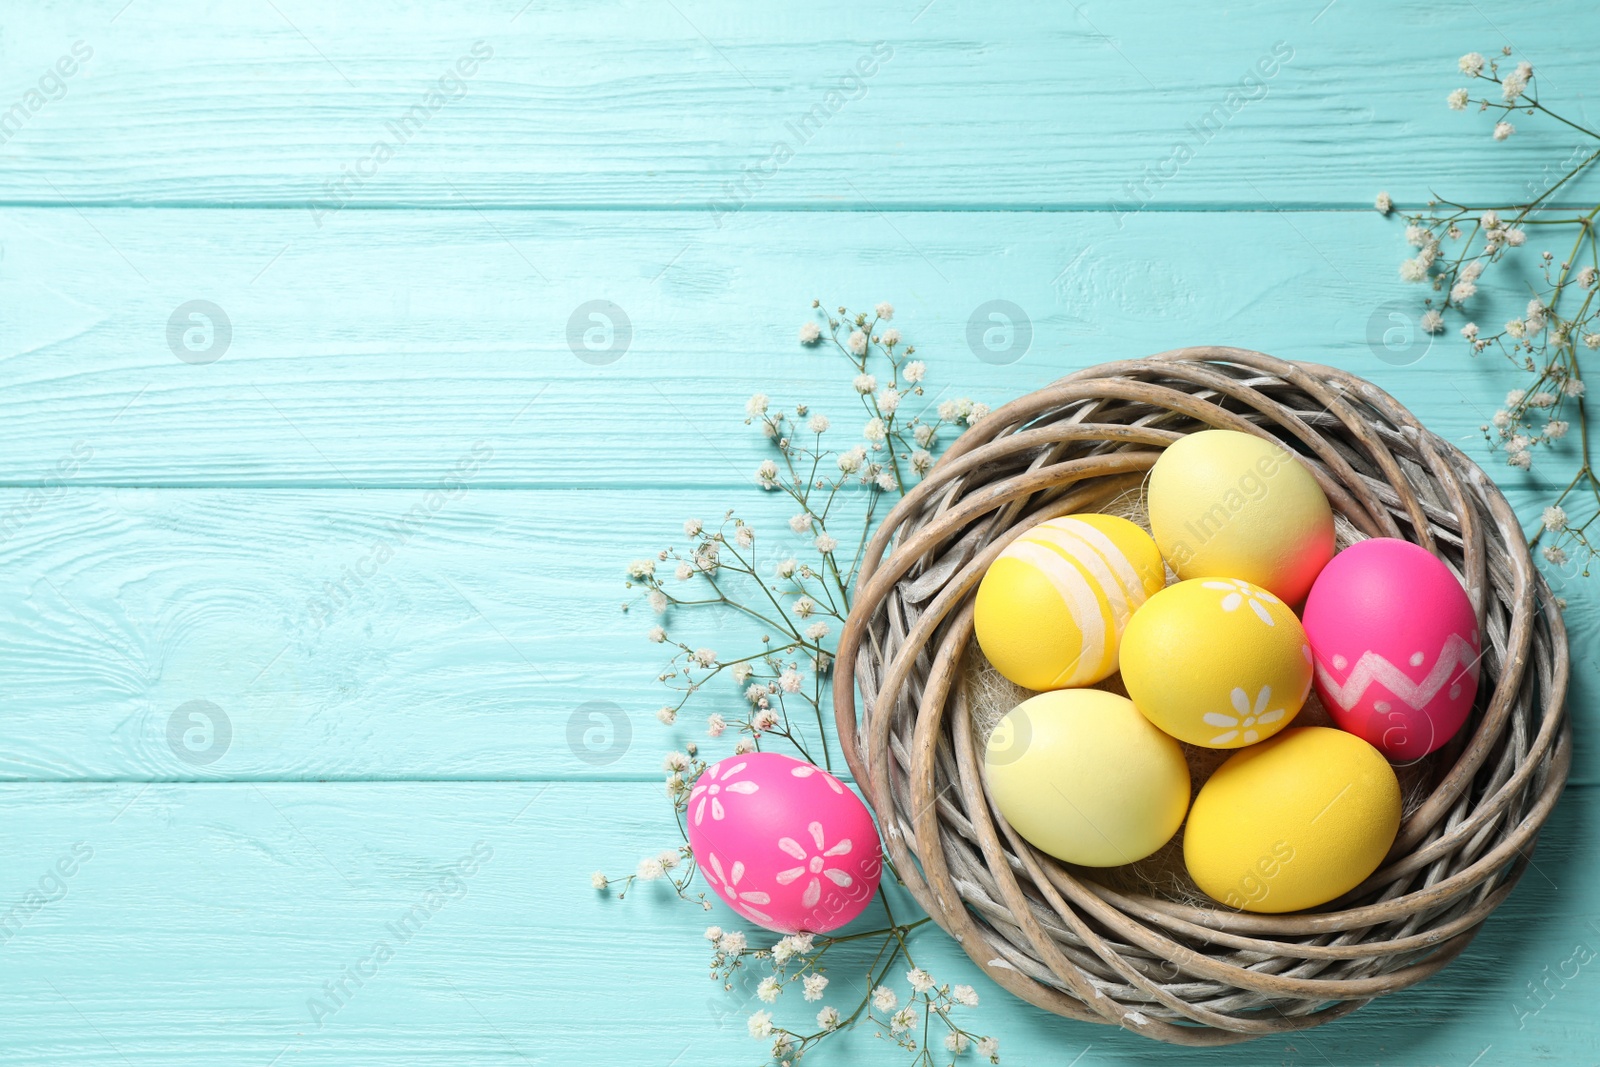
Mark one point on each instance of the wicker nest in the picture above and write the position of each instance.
(1087, 946)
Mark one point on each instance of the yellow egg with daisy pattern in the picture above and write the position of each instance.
(1052, 607)
(1217, 662)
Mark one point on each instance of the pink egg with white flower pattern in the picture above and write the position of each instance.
(783, 843)
(1396, 646)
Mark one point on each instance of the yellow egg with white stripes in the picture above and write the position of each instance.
(1051, 608)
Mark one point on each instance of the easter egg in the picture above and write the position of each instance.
(1396, 646)
(1083, 776)
(1225, 504)
(783, 843)
(1051, 608)
(1216, 662)
(1296, 821)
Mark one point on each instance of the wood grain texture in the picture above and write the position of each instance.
(209, 915)
(685, 105)
(377, 352)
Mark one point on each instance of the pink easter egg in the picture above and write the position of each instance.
(783, 843)
(1395, 644)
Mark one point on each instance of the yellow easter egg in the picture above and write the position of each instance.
(1216, 662)
(1084, 777)
(1293, 822)
(1225, 504)
(1051, 608)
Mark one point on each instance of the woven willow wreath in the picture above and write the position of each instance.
(1169, 970)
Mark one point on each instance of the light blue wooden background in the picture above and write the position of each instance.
(373, 347)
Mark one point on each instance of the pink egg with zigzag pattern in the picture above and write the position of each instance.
(783, 843)
(1395, 644)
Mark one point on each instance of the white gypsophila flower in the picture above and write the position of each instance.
(914, 371)
(782, 1049)
(1471, 271)
(1555, 518)
(965, 995)
(692, 528)
(889, 400)
(902, 1020)
(667, 716)
(760, 1025)
(922, 461)
(884, 311)
(767, 474)
(1458, 100)
(650, 869)
(784, 950)
(785, 568)
(741, 673)
(1489, 220)
(769, 989)
(857, 343)
(1470, 64)
(1417, 236)
(810, 333)
(1515, 238)
(976, 413)
(1461, 290)
(685, 571)
(1573, 387)
(920, 980)
(891, 337)
(874, 430)
(1413, 270)
(1517, 328)
(1555, 429)
(819, 424)
(745, 536)
(925, 434)
(790, 681)
(826, 544)
(955, 1041)
(1521, 460)
(713, 934)
(1585, 278)
(1515, 83)
(705, 657)
(989, 1048)
(803, 606)
(658, 601)
(1515, 397)
(1502, 419)
(1591, 340)
(802, 522)
(885, 481)
(656, 634)
(884, 999)
(1542, 400)
(764, 720)
(598, 880)
(744, 746)
(670, 858)
(850, 462)
(1502, 130)
(756, 405)
(675, 761)
(828, 1019)
(715, 724)
(814, 985)
(1432, 322)
(756, 692)
(731, 943)
(947, 411)
(865, 383)
(1555, 554)
(1470, 331)
(1383, 203)
(817, 631)
(642, 568)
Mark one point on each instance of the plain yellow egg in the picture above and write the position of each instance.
(1293, 822)
(1083, 776)
(1216, 662)
(1232, 505)
(1051, 608)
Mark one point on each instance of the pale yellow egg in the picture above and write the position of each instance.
(1051, 608)
(1216, 662)
(1293, 822)
(1084, 777)
(1225, 504)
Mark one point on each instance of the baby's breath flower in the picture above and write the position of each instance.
(767, 474)
(790, 681)
(1519, 459)
(713, 933)
(670, 858)
(760, 1025)
(885, 481)
(902, 1020)
(884, 311)
(785, 569)
(889, 401)
(925, 434)
(818, 424)
(1555, 429)
(802, 522)
(668, 716)
(976, 413)
(675, 761)
(1555, 554)
(1573, 386)
(745, 536)
(803, 606)
(965, 995)
(658, 601)
(914, 371)
(817, 631)
(715, 724)
(692, 528)
(1517, 328)
(756, 405)
(705, 657)
(884, 999)
(865, 383)
(1383, 203)
(891, 337)
(1471, 64)
(828, 1019)
(763, 720)
(814, 985)
(769, 989)
(731, 943)
(857, 343)
(956, 1041)
(1585, 278)
(1515, 83)
(1591, 340)
(826, 544)
(1502, 130)
(741, 673)
(1515, 238)
(744, 746)
(874, 430)
(989, 1048)
(1432, 322)
(650, 869)
(656, 634)
(1458, 100)
(1413, 270)
(598, 880)
(1555, 518)
(642, 568)
(810, 333)
(850, 462)
(1461, 290)
(920, 980)
(684, 571)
